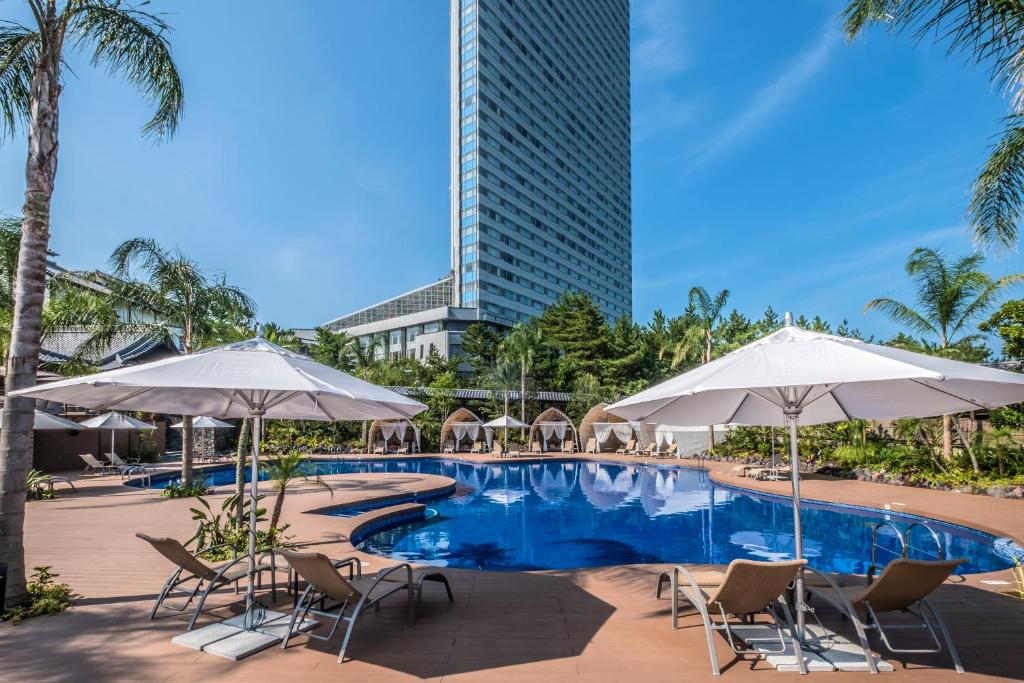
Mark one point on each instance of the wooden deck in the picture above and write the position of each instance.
(592, 625)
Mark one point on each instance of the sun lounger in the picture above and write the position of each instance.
(650, 450)
(628, 448)
(669, 452)
(746, 588)
(128, 468)
(497, 450)
(190, 567)
(478, 447)
(403, 449)
(591, 446)
(515, 450)
(568, 446)
(903, 586)
(741, 470)
(535, 447)
(379, 448)
(448, 447)
(353, 595)
(92, 465)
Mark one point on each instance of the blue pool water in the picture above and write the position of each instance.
(563, 514)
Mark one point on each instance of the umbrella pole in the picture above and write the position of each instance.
(792, 416)
(251, 618)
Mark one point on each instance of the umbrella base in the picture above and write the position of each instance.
(824, 651)
(230, 639)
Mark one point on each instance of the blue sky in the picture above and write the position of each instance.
(770, 156)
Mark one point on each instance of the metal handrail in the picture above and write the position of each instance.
(940, 553)
(874, 539)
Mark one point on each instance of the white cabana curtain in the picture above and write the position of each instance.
(489, 436)
(602, 430)
(399, 429)
(463, 429)
(623, 431)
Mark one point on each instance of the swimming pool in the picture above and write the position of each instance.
(564, 514)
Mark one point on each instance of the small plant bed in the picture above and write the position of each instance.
(44, 596)
(176, 489)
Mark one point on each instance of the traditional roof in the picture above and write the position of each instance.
(126, 347)
(481, 394)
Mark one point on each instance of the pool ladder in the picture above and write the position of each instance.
(904, 538)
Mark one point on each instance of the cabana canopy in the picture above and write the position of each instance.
(609, 431)
(553, 426)
(394, 431)
(462, 427)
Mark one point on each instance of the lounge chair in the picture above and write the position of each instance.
(352, 595)
(127, 468)
(497, 450)
(448, 447)
(535, 447)
(380, 448)
(93, 465)
(190, 567)
(669, 452)
(746, 588)
(568, 446)
(515, 450)
(651, 450)
(591, 446)
(741, 470)
(478, 447)
(628, 448)
(403, 449)
(903, 586)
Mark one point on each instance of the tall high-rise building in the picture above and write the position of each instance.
(540, 155)
(540, 165)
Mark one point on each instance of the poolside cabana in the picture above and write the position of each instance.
(393, 434)
(462, 428)
(551, 429)
(608, 431)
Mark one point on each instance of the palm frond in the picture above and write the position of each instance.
(860, 13)
(998, 193)
(902, 314)
(144, 251)
(19, 53)
(133, 43)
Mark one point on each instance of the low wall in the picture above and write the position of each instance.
(56, 450)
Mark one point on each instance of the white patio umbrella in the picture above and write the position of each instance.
(252, 378)
(48, 421)
(505, 422)
(115, 422)
(795, 376)
(205, 423)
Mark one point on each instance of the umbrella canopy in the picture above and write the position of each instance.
(115, 421)
(205, 423)
(506, 422)
(826, 378)
(252, 378)
(796, 376)
(49, 421)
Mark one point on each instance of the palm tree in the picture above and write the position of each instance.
(989, 33)
(188, 304)
(285, 338)
(950, 297)
(283, 471)
(699, 338)
(128, 42)
(521, 345)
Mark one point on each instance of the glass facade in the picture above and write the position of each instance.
(541, 155)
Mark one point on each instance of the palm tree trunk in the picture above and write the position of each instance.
(278, 506)
(522, 398)
(187, 449)
(947, 437)
(240, 456)
(30, 288)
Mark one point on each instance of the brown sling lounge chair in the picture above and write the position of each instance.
(747, 588)
(351, 595)
(192, 568)
(628, 448)
(568, 446)
(904, 586)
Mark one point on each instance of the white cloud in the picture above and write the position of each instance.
(773, 97)
(658, 40)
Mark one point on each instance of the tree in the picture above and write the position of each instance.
(128, 42)
(1008, 324)
(701, 336)
(285, 338)
(950, 297)
(576, 329)
(521, 346)
(187, 301)
(334, 349)
(282, 472)
(480, 345)
(987, 32)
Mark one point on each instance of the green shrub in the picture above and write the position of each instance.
(37, 486)
(176, 489)
(43, 597)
